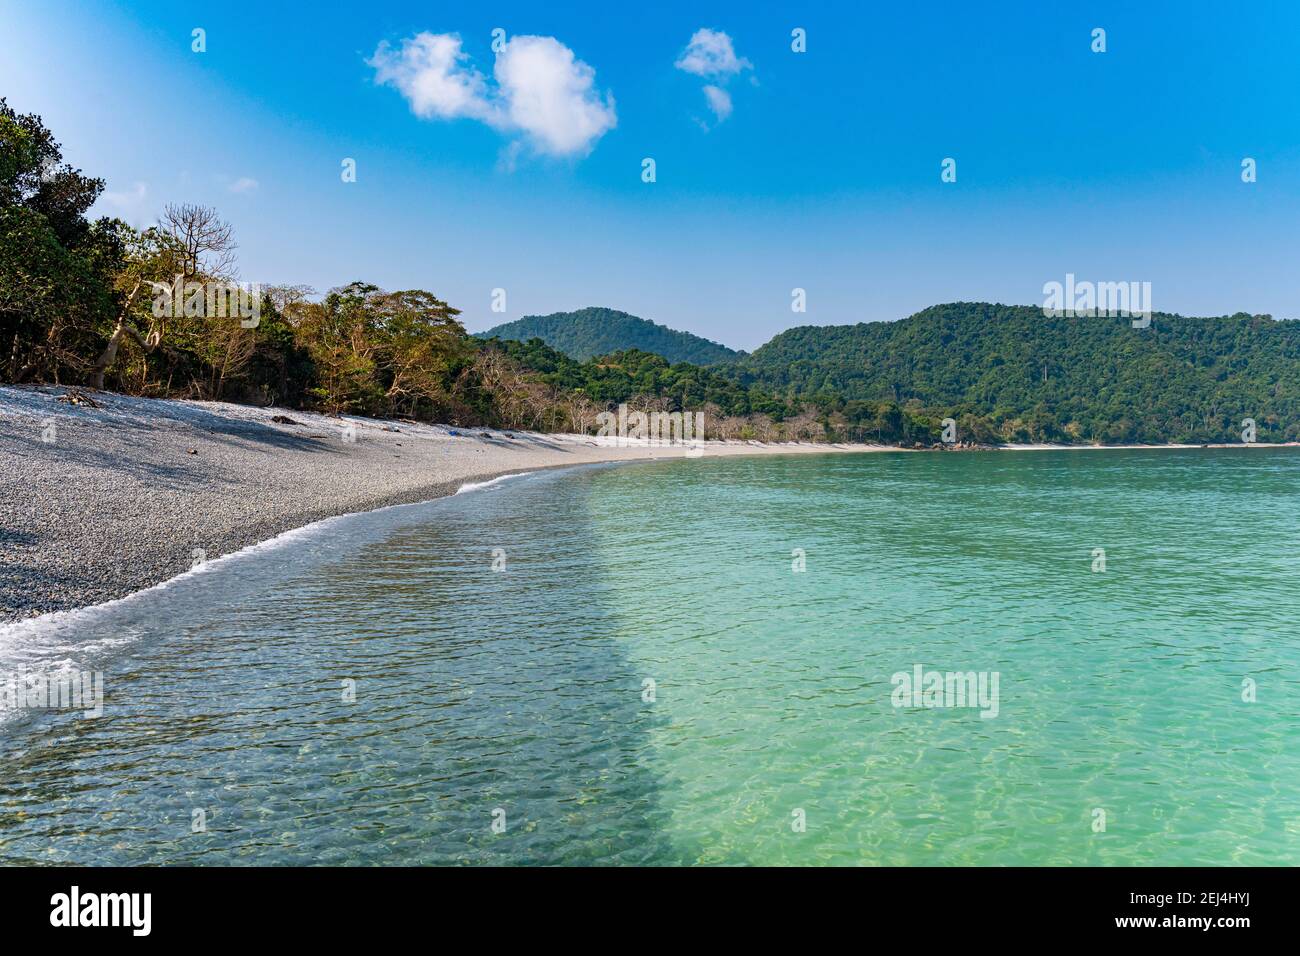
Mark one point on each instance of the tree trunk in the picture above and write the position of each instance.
(107, 357)
(110, 350)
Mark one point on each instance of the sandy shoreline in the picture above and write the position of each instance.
(97, 503)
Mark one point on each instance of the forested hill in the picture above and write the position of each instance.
(75, 310)
(593, 331)
(1091, 379)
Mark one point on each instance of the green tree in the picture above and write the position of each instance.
(56, 267)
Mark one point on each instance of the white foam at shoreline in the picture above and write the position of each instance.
(476, 485)
(15, 634)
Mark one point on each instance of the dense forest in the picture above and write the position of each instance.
(648, 382)
(79, 305)
(588, 333)
(1009, 373)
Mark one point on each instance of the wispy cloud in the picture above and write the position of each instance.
(130, 204)
(710, 54)
(543, 95)
(131, 197)
(719, 101)
(243, 184)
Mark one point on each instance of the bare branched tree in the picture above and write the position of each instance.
(204, 241)
(289, 300)
(190, 241)
(582, 413)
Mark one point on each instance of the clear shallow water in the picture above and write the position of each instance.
(522, 689)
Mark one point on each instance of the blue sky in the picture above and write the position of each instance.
(1116, 166)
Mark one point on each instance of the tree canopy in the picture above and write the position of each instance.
(1014, 374)
(75, 307)
(590, 332)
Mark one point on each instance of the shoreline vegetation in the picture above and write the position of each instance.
(150, 312)
(161, 413)
(107, 494)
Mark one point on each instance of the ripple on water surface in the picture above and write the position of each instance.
(525, 690)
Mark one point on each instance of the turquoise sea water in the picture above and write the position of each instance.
(521, 695)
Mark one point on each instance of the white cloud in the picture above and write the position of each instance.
(711, 54)
(719, 101)
(244, 184)
(549, 95)
(542, 93)
(432, 72)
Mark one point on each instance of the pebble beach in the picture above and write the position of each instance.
(103, 494)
